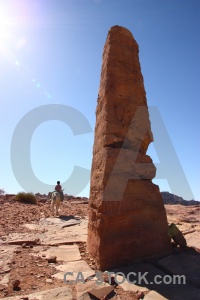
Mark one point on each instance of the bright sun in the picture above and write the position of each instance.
(9, 33)
(5, 25)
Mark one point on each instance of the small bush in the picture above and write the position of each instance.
(26, 198)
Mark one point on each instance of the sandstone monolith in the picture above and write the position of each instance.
(127, 218)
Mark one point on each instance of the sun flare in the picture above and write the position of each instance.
(9, 29)
(7, 21)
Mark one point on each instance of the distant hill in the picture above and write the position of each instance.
(169, 198)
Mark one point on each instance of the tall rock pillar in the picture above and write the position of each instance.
(127, 218)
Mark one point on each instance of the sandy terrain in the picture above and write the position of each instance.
(35, 272)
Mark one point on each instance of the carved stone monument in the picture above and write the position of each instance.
(127, 218)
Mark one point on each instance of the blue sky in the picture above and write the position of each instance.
(51, 53)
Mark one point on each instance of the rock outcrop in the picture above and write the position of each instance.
(127, 218)
(169, 198)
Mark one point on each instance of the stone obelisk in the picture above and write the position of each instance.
(127, 218)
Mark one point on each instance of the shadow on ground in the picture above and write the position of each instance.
(176, 276)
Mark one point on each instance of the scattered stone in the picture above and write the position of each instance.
(40, 276)
(7, 270)
(49, 280)
(101, 292)
(34, 287)
(52, 259)
(39, 265)
(140, 295)
(37, 241)
(18, 251)
(83, 289)
(24, 245)
(16, 283)
(5, 280)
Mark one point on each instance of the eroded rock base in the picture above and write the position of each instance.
(121, 232)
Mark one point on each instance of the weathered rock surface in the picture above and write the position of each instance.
(154, 296)
(74, 267)
(63, 253)
(47, 232)
(6, 255)
(126, 211)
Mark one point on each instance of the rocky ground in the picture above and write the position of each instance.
(23, 256)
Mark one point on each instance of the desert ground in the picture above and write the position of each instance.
(37, 248)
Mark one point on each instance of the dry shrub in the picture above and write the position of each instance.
(26, 198)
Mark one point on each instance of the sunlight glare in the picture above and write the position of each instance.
(11, 16)
(5, 23)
